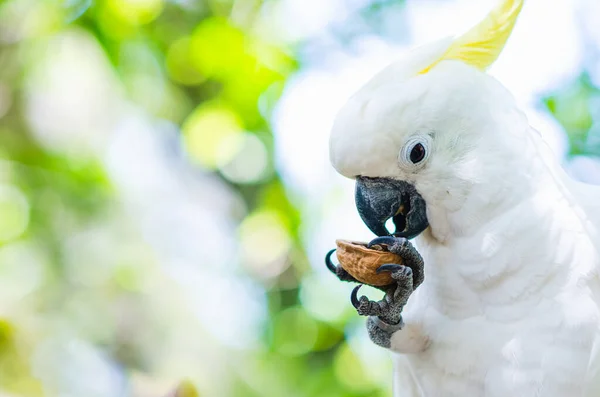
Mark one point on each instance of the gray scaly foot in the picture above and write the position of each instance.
(385, 316)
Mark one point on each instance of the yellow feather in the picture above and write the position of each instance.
(481, 46)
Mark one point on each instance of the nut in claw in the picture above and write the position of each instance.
(362, 262)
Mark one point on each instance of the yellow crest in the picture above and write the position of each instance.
(481, 46)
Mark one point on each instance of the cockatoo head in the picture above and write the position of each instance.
(433, 135)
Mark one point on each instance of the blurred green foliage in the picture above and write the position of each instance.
(196, 65)
(575, 107)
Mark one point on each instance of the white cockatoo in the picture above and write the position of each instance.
(508, 292)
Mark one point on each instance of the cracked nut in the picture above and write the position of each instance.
(362, 262)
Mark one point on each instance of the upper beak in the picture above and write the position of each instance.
(379, 199)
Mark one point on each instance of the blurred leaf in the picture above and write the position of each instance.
(246, 66)
(179, 63)
(571, 106)
(135, 12)
(218, 49)
(295, 332)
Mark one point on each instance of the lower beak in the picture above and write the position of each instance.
(381, 199)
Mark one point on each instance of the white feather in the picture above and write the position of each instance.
(510, 302)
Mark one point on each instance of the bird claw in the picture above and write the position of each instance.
(386, 314)
(390, 267)
(329, 263)
(364, 306)
(354, 296)
(403, 248)
(388, 309)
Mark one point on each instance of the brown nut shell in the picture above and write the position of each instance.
(362, 262)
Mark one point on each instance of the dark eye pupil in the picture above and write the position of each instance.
(417, 154)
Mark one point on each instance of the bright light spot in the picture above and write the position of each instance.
(294, 20)
(350, 371)
(295, 332)
(250, 162)
(588, 16)
(304, 116)
(264, 242)
(324, 297)
(21, 271)
(209, 132)
(445, 18)
(390, 225)
(302, 122)
(585, 168)
(14, 213)
(543, 52)
(71, 95)
(136, 12)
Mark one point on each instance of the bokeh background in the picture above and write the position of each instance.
(166, 198)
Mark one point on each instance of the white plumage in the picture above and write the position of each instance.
(510, 302)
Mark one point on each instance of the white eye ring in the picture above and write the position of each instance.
(415, 152)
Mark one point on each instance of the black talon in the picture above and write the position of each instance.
(329, 263)
(388, 268)
(354, 297)
(386, 240)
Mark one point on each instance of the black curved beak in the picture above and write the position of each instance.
(379, 199)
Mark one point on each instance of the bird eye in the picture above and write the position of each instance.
(417, 154)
